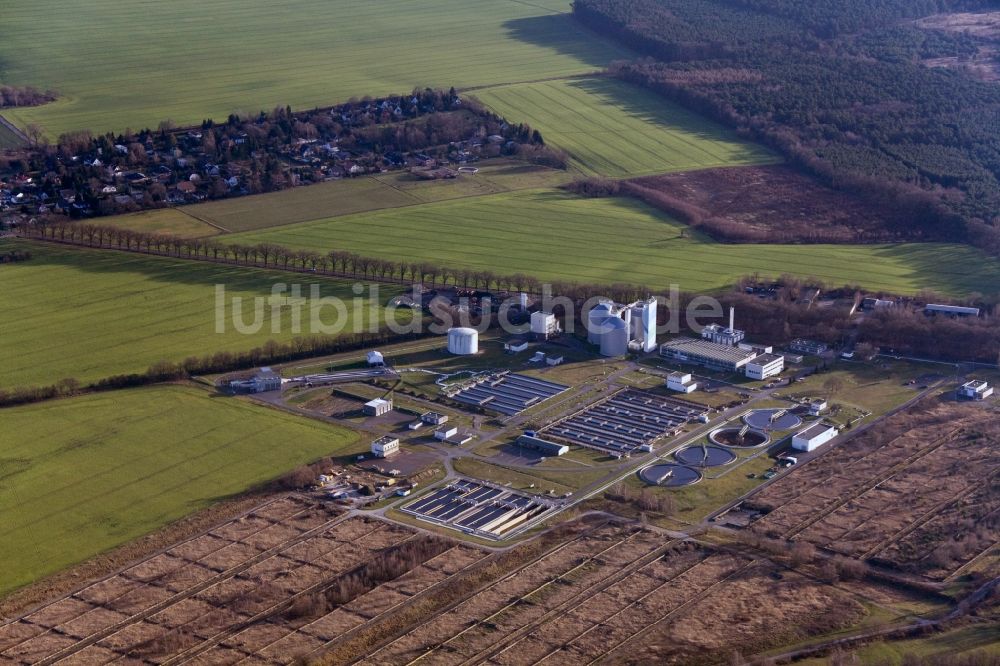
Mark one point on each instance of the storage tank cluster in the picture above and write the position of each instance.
(463, 341)
(613, 327)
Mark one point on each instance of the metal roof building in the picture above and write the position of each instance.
(953, 310)
(813, 437)
(542, 445)
(377, 407)
(709, 354)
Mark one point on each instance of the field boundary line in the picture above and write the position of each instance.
(597, 73)
(955, 574)
(182, 209)
(189, 592)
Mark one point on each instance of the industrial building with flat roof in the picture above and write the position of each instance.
(813, 437)
(681, 382)
(975, 389)
(709, 354)
(764, 366)
(543, 446)
(433, 418)
(811, 347)
(377, 407)
(383, 447)
(951, 310)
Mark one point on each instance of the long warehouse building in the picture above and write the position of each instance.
(709, 354)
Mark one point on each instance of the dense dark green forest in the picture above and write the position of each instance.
(840, 88)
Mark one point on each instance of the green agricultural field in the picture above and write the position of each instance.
(89, 314)
(121, 65)
(355, 195)
(556, 236)
(86, 474)
(611, 128)
(169, 221)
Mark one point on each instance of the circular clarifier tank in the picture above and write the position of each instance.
(772, 419)
(705, 456)
(738, 438)
(669, 475)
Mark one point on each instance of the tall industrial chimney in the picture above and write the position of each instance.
(732, 318)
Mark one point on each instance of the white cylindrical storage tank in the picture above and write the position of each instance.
(614, 341)
(463, 341)
(595, 322)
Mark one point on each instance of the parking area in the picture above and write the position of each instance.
(479, 508)
(625, 422)
(507, 393)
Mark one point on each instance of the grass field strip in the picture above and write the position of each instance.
(612, 128)
(557, 236)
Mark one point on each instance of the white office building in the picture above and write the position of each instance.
(445, 432)
(383, 447)
(764, 366)
(681, 382)
(975, 389)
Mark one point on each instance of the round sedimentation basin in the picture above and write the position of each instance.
(669, 475)
(705, 456)
(732, 437)
(772, 419)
